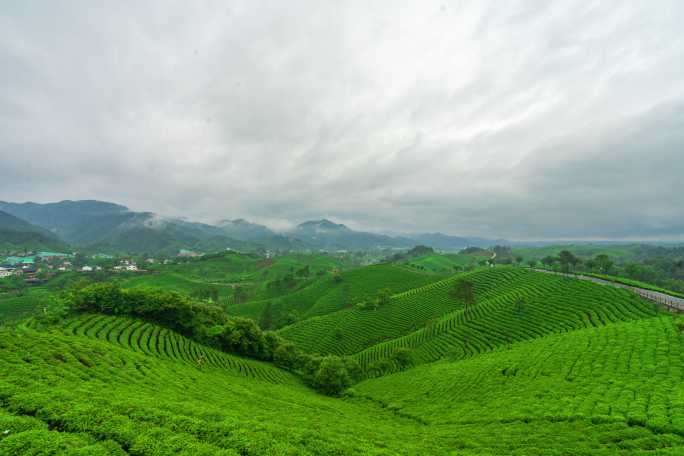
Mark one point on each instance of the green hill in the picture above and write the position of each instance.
(17, 234)
(62, 393)
(226, 270)
(539, 365)
(332, 293)
(610, 390)
(444, 264)
(621, 383)
(431, 322)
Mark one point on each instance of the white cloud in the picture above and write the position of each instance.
(518, 119)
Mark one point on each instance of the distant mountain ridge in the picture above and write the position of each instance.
(18, 234)
(110, 226)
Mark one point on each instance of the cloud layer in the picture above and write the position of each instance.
(524, 120)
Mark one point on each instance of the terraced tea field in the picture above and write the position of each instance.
(572, 368)
(549, 306)
(328, 294)
(430, 320)
(151, 339)
(14, 308)
(629, 373)
(573, 393)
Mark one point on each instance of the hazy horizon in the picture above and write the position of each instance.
(520, 120)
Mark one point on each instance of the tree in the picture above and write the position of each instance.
(604, 263)
(532, 263)
(239, 295)
(332, 376)
(402, 356)
(567, 260)
(464, 291)
(548, 261)
(519, 260)
(266, 318)
(384, 297)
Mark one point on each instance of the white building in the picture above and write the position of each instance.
(87, 268)
(4, 272)
(131, 267)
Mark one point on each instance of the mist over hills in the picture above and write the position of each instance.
(110, 226)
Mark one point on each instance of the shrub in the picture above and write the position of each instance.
(211, 325)
(332, 376)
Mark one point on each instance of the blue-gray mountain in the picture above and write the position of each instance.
(108, 226)
(17, 234)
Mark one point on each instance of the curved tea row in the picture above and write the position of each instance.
(155, 340)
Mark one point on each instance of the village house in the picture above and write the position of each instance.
(5, 272)
(87, 268)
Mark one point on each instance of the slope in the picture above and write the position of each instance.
(86, 390)
(106, 226)
(627, 376)
(18, 234)
(512, 304)
(332, 293)
(64, 391)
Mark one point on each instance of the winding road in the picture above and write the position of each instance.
(673, 303)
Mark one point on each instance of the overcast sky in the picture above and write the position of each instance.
(519, 119)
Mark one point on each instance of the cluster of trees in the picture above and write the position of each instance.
(657, 265)
(284, 283)
(567, 261)
(382, 298)
(207, 293)
(210, 325)
(416, 251)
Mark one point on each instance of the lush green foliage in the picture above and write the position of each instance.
(210, 325)
(628, 373)
(16, 305)
(635, 283)
(530, 306)
(331, 293)
(540, 364)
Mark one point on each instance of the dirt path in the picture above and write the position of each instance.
(672, 303)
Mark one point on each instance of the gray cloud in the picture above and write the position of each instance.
(519, 119)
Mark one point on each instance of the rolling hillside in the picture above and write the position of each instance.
(432, 324)
(17, 234)
(621, 384)
(113, 227)
(226, 270)
(332, 293)
(604, 390)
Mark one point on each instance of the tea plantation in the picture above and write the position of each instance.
(536, 364)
